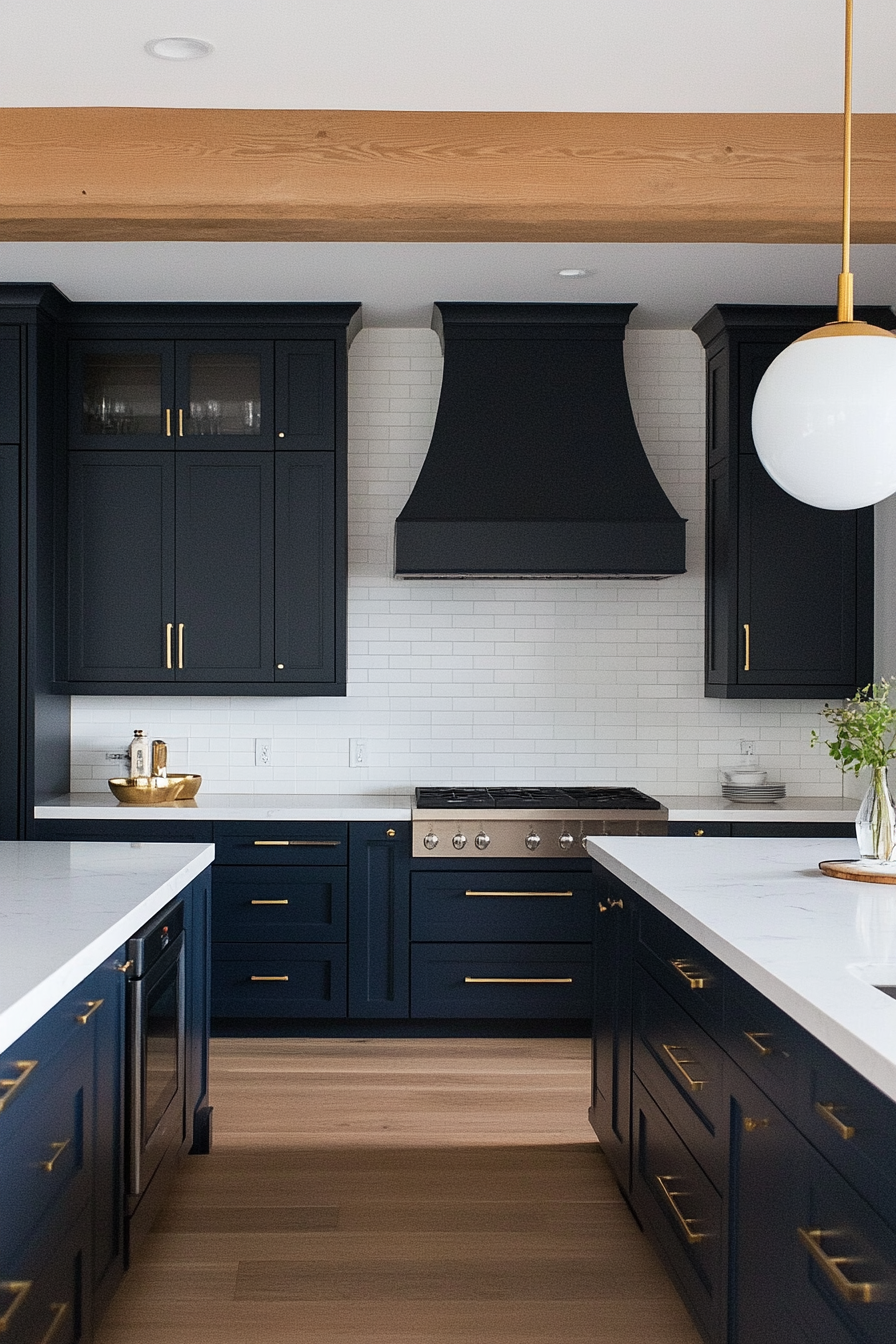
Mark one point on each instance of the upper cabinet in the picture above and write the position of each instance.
(205, 478)
(789, 588)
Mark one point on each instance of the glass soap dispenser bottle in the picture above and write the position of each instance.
(138, 753)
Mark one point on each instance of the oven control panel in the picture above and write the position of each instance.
(495, 837)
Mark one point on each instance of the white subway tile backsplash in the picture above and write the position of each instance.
(505, 682)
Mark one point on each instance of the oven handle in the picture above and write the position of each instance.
(137, 990)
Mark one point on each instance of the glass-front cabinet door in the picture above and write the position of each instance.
(122, 394)
(225, 394)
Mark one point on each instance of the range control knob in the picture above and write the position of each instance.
(459, 840)
(482, 840)
(431, 840)
(566, 840)
(533, 840)
(583, 841)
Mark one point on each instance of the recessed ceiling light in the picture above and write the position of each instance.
(178, 48)
(573, 273)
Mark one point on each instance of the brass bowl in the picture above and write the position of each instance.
(153, 792)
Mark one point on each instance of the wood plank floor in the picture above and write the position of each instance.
(398, 1192)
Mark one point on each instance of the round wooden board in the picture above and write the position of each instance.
(850, 870)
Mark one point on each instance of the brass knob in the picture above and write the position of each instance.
(390, 833)
(281, 435)
(700, 832)
(280, 667)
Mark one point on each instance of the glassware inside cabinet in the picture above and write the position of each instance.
(225, 394)
(122, 394)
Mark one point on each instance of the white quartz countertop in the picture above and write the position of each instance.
(233, 807)
(397, 807)
(65, 907)
(814, 945)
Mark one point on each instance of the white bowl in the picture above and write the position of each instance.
(747, 777)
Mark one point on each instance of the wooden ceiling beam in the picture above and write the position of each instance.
(134, 174)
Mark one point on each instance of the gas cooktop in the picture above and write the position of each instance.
(591, 799)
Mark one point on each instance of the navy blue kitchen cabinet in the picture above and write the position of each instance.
(379, 918)
(835, 830)
(762, 1165)
(611, 1051)
(788, 587)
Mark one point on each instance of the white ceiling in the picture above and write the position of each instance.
(572, 55)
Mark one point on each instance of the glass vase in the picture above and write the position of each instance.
(876, 820)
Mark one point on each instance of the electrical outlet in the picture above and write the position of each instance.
(262, 751)
(116, 756)
(357, 751)
(747, 748)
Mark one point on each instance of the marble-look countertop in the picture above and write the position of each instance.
(814, 945)
(397, 807)
(65, 907)
(233, 807)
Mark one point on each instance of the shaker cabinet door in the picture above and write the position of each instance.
(120, 566)
(306, 395)
(224, 566)
(307, 563)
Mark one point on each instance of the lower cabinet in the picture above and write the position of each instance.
(761, 1166)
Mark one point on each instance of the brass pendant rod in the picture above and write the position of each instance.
(845, 281)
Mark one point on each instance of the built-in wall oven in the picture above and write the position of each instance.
(156, 1056)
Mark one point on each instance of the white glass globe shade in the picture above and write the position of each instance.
(824, 419)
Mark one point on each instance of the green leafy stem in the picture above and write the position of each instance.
(865, 729)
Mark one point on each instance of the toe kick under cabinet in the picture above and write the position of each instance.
(760, 1165)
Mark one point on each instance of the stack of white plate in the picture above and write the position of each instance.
(753, 793)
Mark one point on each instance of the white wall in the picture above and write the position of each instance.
(513, 682)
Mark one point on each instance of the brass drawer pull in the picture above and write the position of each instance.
(690, 1236)
(850, 1290)
(695, 1084)
(517, 980)
(12, 1085)
(269, 902)
(299, 844)
(751, 1124)
(259, 978)
(746, 648)
(696, 978)
(125, 967)
(754, 1038)
(517, 893)
(60, 1311)
(169, 659)
(93, 1006)
(19, 1288)
(827, 1111)
(58, 1150)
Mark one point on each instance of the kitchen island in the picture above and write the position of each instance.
(744, 1081)
(103, 1065)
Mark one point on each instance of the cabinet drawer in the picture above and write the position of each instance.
(266, 905)
(283, 842)
(43, 1297)
(842, 1270)
(682, 966)
(46, 1158)
(682, 1068)
(766, 1043)
(512, 907)
(278, 980)
(517, 980)
(678, 1204)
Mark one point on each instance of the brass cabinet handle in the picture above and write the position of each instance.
(688, 971)
(268, 977)
(180, 423)
(180, 645)
(125, 967)
(93, 1006)
(690, 1236)
(519, 893)
(517, 980)
(12, 1085)
(255, 902)
(60, 1311)
(753, 1038)
(695, 1084)
(849, 1289)
(700, 832)
(169, 630)
(751, 1124)
(390, 833)
(300, 844)
(746, 647)
(19, 1288)
(827, 1111)
(58, 1149)
(167, 422)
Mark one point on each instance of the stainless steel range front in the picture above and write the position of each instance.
(546, 823)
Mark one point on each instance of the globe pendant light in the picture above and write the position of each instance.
(824, 416)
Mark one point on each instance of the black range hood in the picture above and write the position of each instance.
(536, 468)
